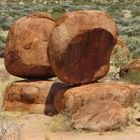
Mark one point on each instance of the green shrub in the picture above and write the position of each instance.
(2, 38)
(118, 61)
(57, 11)
(136, 53)
(132, 77)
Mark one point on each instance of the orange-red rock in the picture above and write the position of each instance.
(76, 97)
(133, 65)
(100, 116)
(80, 46)
(26, 46)
(27, 96)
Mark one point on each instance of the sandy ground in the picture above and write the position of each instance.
(34, 127)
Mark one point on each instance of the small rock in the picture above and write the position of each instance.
(133, 65)
(100, 116)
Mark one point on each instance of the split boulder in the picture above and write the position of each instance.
(80, 46)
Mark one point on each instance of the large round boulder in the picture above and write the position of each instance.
(80, 46)
(26, 46)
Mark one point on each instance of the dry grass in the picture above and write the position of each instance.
(3, 84)
(59, 123)
(9, 130)
(5, 80)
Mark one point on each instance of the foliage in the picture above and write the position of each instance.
(119, 59)
(132, 77)
(57, 11)
(59, 122)
(2, 43)
(125, 13)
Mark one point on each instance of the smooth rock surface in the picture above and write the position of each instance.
(100, 116)
(27, 96)
(76, 97)
(80, 46)
(25, 52)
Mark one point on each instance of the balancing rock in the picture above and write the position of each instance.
(80, 46)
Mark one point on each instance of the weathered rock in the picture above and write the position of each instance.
(137, 99)
(131, 72)
(76, 97)
(27, 96)
(100, 116)
(55, 100)
(80, 46)
(133, 65)
(26, 46)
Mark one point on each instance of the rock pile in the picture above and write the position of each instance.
(77, 49)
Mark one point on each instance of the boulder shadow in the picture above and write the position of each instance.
(56, 88)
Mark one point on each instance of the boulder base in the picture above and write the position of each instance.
(76, 97)
(27, 96)
(100, 116)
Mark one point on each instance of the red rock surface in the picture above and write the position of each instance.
(100, 116)
(80, 46)
(27, 96)
(75, 97)
(26, 46)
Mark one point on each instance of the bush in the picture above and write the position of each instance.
(2, 39)
(57, 11)
(118, 61)
(132, 77)
(136, 53)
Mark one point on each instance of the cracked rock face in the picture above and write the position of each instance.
(80, 46)
(100, 116)
(26, 46)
